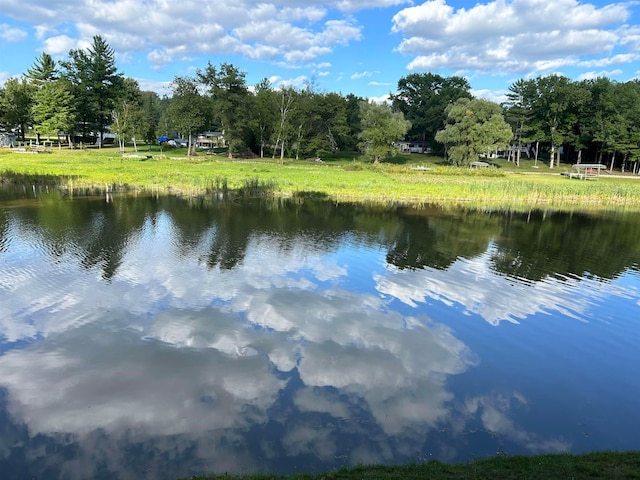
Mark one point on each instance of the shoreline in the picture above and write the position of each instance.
(595, 465)
(411, 180)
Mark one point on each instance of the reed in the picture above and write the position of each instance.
(412, 180)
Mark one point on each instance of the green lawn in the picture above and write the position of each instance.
(346, 177)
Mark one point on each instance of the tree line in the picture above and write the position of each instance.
(85, 96)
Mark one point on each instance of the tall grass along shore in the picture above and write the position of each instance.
(409, 179)
(598, 465)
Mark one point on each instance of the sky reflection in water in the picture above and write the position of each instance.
(303, 352)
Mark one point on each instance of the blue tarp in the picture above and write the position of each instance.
(163, 139)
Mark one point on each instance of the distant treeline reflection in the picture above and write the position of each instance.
(531, 246)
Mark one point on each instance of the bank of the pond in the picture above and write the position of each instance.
(600, 465)
(416, 180)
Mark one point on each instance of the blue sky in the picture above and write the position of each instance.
(348, 46)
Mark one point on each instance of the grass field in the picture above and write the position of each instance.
(347, 177)
(599, 465)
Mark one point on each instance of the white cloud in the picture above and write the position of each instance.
(296, 82)
(275, 31)
(498, 96)
(354, 5)
(381, 99)
(518, 36)
(59, 45)
(603, 73)
(161, 88)
(359, 75)
(158, 58)
(11, 34)
(614, 60)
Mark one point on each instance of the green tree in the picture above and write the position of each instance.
(127, 117)
(353, 121)
(43, 70)
(54, 109)
(287, 98)
(97, 85)
(151, 111)
(16, 100)
(628, 104)
(473, 127)
(230, 95)
(556, 109)
(519, 114)
(190, 112)
(327, 120)
(381, 127)
(423, 98)
(264, 116)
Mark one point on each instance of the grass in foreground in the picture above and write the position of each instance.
(600, 465)
(342, 179)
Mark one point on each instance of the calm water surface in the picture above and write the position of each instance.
(157, 337)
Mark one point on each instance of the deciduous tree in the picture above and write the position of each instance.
(381, 127)
(16, 100)
(423, 98)
(230, 95)
(190, 111)
(473, 127)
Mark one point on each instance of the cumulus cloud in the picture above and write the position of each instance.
(497, 96)
(11, 34)
(59, 45)
(517, 36)
(275, 31)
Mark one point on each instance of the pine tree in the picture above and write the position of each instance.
(43, 70)
(54, 109)
(97, 84)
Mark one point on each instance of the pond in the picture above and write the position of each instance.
(158, 337)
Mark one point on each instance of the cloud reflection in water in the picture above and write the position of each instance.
(235, 370)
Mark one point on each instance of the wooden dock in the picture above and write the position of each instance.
(585, 171)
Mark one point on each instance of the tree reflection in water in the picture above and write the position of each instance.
(152, 336)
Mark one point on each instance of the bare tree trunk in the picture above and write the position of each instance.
(552, 157)
(579, 156)
(613, 161)
(299, 141)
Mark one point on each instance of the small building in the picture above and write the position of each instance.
(413, 146)
(210, 140)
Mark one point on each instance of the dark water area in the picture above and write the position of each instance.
(158, 337)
